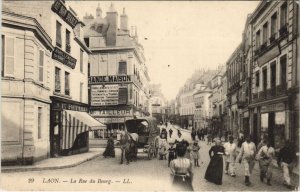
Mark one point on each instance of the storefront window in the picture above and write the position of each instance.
(279, 129)
(264, 122)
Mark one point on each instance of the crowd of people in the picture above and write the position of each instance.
(183, 157)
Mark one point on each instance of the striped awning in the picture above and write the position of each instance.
(76, 122)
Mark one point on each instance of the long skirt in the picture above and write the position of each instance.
(109, 151)
(214, 171)
(182, 185)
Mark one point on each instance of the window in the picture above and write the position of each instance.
(81, 92)
(265, 32)
(8, 56)
(122, 67)
(273, 24)
(123, 94)
(257, 41)
(283, 15)
(257, 79)
(58, 34)
(81, 60)
(87, 42)
(68, 44)
(67, 83)
(41, 66)
(283, 70)
(39, 123)
(265, 79)
(273, 74)
(57, 79)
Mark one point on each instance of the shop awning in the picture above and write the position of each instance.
(75, 123)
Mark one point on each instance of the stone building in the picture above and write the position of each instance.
(274, 108)
(25, 90)
(118, 79)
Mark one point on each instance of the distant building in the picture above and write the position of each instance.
(158, 102)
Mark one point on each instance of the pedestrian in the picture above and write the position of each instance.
(265, 157)
(286, 160)
(170, 132)
(179, 133)
(110, 148)
(166, 124)
(241, 141)
(262, 142)
(214, 171)
(198, 134)
(193, 134)
(182, 170)
(179, 139)
(162, 146)
(172, 153)
(202, 135)
(209, 138)
(195, 155)
(156, 145)
(230, 156)
(247, 157)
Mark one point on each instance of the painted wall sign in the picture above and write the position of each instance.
(110, 79)
(61, 10)
(104, 95)
(273, 107)
(64, 58)
(69, 106)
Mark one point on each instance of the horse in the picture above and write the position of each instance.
(128, 148)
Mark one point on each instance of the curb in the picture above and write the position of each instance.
(24, 169)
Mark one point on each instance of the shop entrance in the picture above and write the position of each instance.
(271, 128)
(255, 125)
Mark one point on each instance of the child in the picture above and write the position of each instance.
(162, 153)
(172, 153)
(195, 153)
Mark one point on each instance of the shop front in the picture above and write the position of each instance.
(69, 127)
(274, 123)
(113, 117)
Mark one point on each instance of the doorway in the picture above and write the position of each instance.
(271, 128)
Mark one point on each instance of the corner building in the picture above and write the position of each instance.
(118, 80)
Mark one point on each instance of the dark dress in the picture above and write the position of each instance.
(214, 171)
(110, 148)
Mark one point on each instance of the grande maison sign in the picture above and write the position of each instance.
(61, 10)
(64, 58)
(110, 79)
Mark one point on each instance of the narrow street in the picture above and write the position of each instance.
(108, 174)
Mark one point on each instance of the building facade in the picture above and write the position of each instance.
(25, 90)
(66, 73)
(158, 102)
(118, 79)
(274, 108)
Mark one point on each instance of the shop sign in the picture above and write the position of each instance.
(111, 120)
(68, 106)
(63, 57)
(60, 9)
(103, 95)
(112, 112)
(110, 79)
(273, 107)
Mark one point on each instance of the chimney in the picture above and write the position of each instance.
(87, 18)
(124, 21)
(112, 19)
(98, 12)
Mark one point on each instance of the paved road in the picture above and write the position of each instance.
(143, 174)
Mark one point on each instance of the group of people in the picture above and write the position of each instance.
(248, 155)
(199, 132)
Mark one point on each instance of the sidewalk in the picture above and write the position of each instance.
(56, 163)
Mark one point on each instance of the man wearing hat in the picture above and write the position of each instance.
(230, 155)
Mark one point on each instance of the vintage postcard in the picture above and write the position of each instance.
(150, 95)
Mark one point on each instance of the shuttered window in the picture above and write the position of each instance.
(8, 56)
(41, 66)
(58, 34)
(122, 68)
(81, 60)
(39, 123)
(123, 94)
(57, 79)
(67, 83)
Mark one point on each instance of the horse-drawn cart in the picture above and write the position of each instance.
(146, 129)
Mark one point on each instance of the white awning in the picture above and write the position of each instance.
(75, 123)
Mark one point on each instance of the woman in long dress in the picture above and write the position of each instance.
(181, 170)
(110, 148)
(214, 171)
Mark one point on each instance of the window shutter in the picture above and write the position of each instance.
(9, 56)
(122, 68)
(123, 95)
(41, 66)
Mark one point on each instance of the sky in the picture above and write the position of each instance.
(180, 37)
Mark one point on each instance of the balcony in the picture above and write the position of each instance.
(281, 89)
(264, 46)
(68, 48)
(271, 92)
(262, 95)
(283, 31)
(272, 38)
(241, 104)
